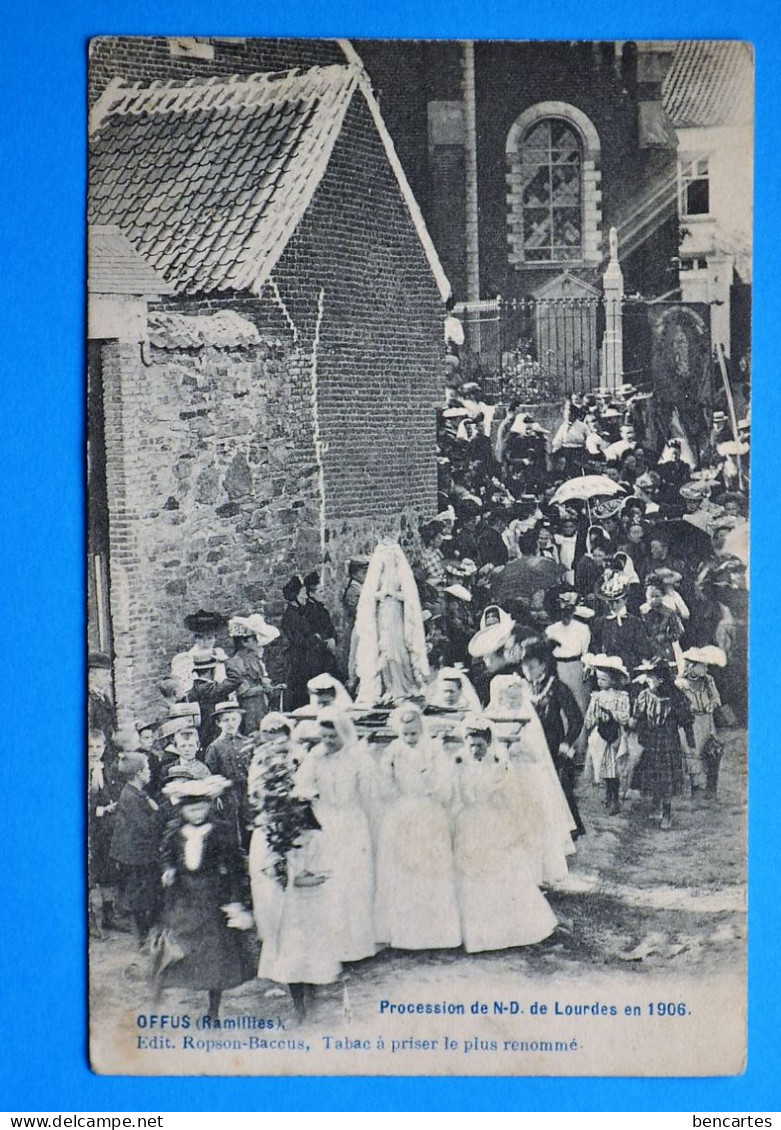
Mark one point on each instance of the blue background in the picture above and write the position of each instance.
(42, 938)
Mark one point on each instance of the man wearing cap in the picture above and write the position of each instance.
(229, 756)
(204, 626)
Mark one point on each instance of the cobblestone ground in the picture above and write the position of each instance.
(638, 900)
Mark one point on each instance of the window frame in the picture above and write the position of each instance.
(551, 207)
(686, 179)
(590, 196)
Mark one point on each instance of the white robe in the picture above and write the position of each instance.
(415, 906)
(337, 784)
(498, 898)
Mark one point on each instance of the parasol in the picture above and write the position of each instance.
(586, 487)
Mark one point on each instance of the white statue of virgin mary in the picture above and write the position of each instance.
(390, 646)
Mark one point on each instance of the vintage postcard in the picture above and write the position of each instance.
(419, 436)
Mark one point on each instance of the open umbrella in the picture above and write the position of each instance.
(520, 579)
(586, 487)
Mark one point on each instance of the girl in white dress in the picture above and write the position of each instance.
(452, 690)
(415, 907)
(292, 911)
(337, 776)
(499, 901)
(543, 808)
(606, 721)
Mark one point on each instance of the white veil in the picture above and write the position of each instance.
(388, 579)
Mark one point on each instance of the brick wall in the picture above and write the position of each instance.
(138, 59)
(214, 497)
(381, 347)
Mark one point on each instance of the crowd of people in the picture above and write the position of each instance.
(574, 616)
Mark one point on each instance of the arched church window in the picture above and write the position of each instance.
(554, 204)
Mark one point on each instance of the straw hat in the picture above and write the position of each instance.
(614, 587)
(229, 705)
(491, 639)
(459, 592)
(254, 625)
(182, 716)
(182, 790)
(602, 662)
(709, 655)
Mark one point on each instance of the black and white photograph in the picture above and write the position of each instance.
(418, 472)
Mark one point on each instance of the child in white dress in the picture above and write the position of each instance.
(499, 902)
(607, 717)
(415, 905)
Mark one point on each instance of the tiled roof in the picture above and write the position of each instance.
(710, 83)
(116, 268)
(209, 179)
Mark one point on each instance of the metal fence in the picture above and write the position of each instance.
(539, 349)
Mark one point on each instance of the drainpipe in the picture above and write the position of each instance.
(470, 171)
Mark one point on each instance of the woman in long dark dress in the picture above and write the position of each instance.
(560, 715)
(301, 639)
(660, 712)
(203, 915)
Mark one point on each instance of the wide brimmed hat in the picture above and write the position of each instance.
(602, 662)
(226, 706)
(614, 587)
(710, 655)
(204, 623)
(491, 639)
(609, 508)
(254, 625)
(147, 724)
(180, 790)
(459, 592)
(732, 447)
(182, 716)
